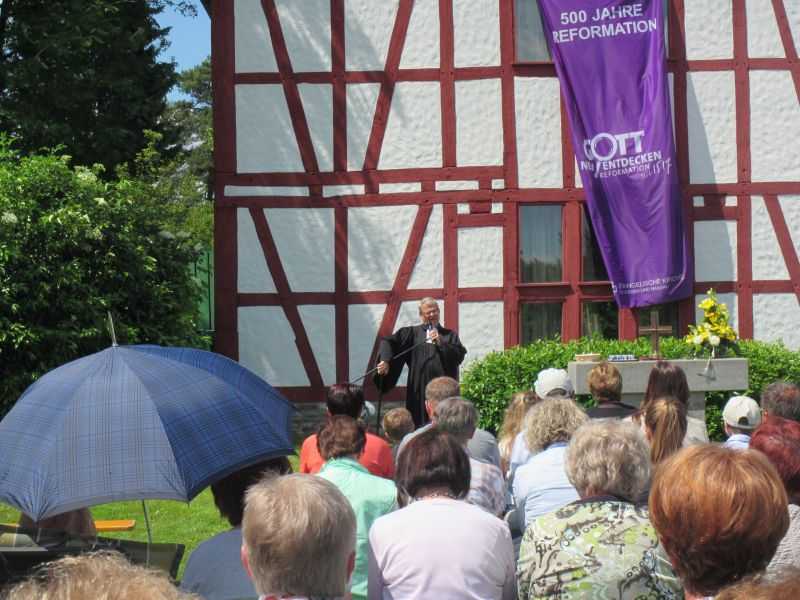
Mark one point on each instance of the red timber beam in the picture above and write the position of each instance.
(296, 112)
(340, 299)
(402, 278)
(788, 43)
(447, 85)
(784, 241)
(285, 294)
(396, 43)
(339, 89)
(226, 340)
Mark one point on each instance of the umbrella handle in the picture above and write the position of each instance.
(149, 533)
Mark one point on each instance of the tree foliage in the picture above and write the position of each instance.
(84, 75)
(72, 247)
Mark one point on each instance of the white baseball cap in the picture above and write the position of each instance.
(742, 412)
(552, 379)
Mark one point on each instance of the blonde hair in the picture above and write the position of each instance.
(513, 419)
(605, 383)
(665, 421)
(397, 423)
(97, 576)
(552, 420)
(299, 533)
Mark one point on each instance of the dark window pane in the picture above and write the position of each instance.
(540, 321)
(667, 315)
(594, 269)
(600, 318)
(529, 32)
(540, 243)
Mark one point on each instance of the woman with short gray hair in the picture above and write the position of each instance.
(602, 545)
(541, 484)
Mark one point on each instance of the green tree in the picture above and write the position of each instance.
(74, 246)
(84, 75)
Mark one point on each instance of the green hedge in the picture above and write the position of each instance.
(490, 381)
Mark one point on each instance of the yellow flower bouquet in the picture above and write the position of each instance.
(713, 335)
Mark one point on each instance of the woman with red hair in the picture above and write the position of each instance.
(779, 440)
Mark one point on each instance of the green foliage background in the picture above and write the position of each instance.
(491, 381)
(74, 246)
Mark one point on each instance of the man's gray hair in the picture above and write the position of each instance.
(554, 419)
(299, 532)
(609, 457)
(427, 301)
(458, 417)
(781, 399)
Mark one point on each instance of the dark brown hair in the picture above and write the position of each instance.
(719, 513)
(665, 379)
(341, 436)
(345, 399)
(229, 492)
(432, 460)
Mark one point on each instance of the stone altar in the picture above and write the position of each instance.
(722, 375)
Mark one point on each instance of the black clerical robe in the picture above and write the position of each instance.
(425, 362)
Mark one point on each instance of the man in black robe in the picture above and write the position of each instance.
(436, 351)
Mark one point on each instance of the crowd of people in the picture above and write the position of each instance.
(616, 501)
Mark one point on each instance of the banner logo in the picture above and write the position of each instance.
(615, 154)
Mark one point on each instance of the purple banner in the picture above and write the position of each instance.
(609, 56)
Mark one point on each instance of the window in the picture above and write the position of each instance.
(530, 44)
(541, 320)
(594, 269)
(600, 319)
(540, 243)
(667, 315)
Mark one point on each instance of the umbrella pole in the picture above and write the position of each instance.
(149, 533)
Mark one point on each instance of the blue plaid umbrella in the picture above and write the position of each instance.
(136, 422)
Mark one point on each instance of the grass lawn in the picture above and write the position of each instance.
(170, 521)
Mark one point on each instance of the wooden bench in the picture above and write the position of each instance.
(104, 525)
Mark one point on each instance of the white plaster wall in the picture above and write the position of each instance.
(709, 29)
(266, 346)
(306, 28)
(480, 257)
(763, 37)
(363, 321)
(452, 185)
(538, 121)
(480, 327)
(265, 139)
(712, 127)
(252, 44)
(367, 31)
(399, 188)
(428, 272)
(376, 239)
(774, 127)
(320, 325)
(304, 238)
(317, 102)
(476, 32)
(421, 49)
(730, 300)
(353, 189)
(479, 123)
(790, 205)
(414, 129)
(793, 16)
(252, 274)
(265, 190)
(715, 245)
(777, 317)
(768, 261)
(362, 98)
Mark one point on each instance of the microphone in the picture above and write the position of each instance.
(428, 333)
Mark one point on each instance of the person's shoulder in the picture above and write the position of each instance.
(484, 436)
(377, 442)
(309, 443)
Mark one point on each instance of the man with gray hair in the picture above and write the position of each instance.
(482, 445)
(298, 538)
(458, 417)
(781, 399)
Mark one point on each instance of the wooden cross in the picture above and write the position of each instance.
(655, 332)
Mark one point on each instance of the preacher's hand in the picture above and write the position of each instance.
(383, 367)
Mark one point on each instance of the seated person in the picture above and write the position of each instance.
(513, 419)
(541, 484)
(214, 570)
(605, 386)
(603, 545)
(298, 538)
(740, 417)
(96, 575)
(781, 399)
(719, 514)
(341, 442)
(347, 399)
(77, 522)
(397, 423)
(458, 417)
